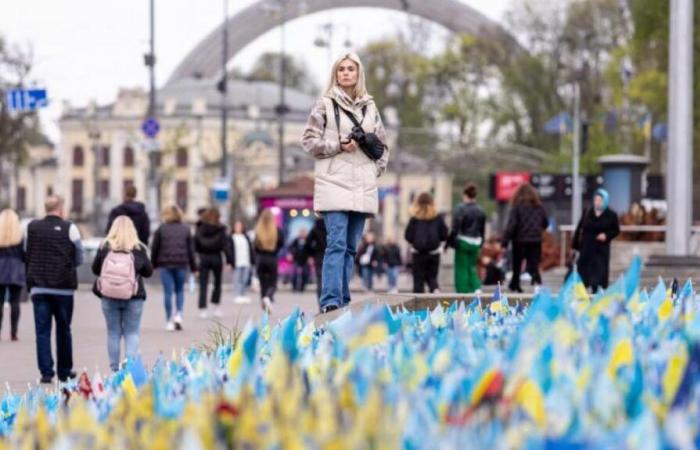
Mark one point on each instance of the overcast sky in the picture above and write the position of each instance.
(88, 49)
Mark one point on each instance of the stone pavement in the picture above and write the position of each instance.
(18, 364)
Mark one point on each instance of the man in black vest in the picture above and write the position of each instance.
(54, 251)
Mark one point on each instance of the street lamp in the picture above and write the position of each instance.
(94, 136)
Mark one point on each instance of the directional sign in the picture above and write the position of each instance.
(221, 190)
(26, 99)
(150, 127)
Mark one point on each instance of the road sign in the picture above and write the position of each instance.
(26, 99)
(150, 127)
(221, 190)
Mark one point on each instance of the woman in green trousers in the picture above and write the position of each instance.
(467, 237)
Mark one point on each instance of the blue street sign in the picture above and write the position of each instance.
(26, 99)
(221, 190)
(150, 127)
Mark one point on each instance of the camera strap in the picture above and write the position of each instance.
(336, 112)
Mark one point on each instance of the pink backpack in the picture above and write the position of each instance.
(118, 276)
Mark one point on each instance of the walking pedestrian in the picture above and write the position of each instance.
(243, 258)
(345, 135)
(597, 228)
(526, 223)
(136, 211)
(368, 257)
(172, 252)
(54, 251)
(268, 242)
(300, 259)
(315, 247)
(426, 231)
(121, 264)
(210, 243)
(12, 271)
(467, 237)
(391, 254)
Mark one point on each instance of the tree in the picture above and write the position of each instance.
(17, 129)
(267, 68)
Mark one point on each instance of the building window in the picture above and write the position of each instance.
(181, 157)
(104, 155)
(181, 194)
(126, 184)
(21, 198)
(128, 156)
(103, 188)
(77, 196)
(78, 156)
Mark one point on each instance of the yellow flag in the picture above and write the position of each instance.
(674, 374)
(234, 362)
(665, 310)
(531, 399)
(623, 354)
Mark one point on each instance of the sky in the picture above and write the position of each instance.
(88, 49)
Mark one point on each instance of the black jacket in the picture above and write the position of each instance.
(526, 223)
(136, 211)
(418, 229)
(212, 240)
(594, 255)
(392, 255)
(278, 246)
(142, 264)
(232, 250)
(315, 245)
(297, 250)
(468, 219)
(12, 266)
(172, 247)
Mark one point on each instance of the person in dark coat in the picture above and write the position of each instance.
(210, 242)
(123, 317)
(391, 255)
(301, 261)
(315, 247)
(426, 232)
(12, 273)
(598, 226)
(269, 240)
(467, 238)
(172, 252)
(526, 223)
(136, 211)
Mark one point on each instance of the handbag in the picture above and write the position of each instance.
(369, 143)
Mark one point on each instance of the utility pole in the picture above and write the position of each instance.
(576, 178)
(282, 107)
(151, 143)
(223, 89)
(679, 179)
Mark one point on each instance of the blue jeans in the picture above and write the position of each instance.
(173, 279)
(240, 280)
(344, 229)
(392, 273)
(367, 273)
(60, 308)
(123, 319)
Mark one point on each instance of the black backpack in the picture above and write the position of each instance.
(427, 236)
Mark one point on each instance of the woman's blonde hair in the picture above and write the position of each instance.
(360, 87)
(122, 236)
(266, 231)
(424, 207)
(10, 228)
(171, 214)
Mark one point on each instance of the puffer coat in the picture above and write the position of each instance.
(344, 181)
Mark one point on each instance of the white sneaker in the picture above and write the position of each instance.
(240, 300)
(478, 292)
(267, 305)
(537, 289)
(218, 312)
(203, 314)
(170, 326)
(178, 321)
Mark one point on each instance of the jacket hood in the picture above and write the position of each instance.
(207, 229)
(131, 208)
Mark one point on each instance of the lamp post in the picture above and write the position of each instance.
(94, 136)
(282, 108)
(152, 146)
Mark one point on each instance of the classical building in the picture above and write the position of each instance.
(35, 180)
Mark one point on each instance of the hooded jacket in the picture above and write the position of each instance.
(136, 211)
(344, 181)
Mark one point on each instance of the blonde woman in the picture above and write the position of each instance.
(345, 135)
(123, 315)
(426, 232)
(12, 275)
(172, 251)
(268, 242)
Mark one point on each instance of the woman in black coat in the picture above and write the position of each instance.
(12, 272)
(210, 242)
(598, 226)
(526, 223)
(426, 232)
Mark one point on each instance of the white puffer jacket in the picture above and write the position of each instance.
(344, 181)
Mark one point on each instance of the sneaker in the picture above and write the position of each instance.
(329, 308)
(178, 321)
(267, 305)
(218, 312)
(71, 376)
(46, 380)
(203, 314)
(14, 338)
(537, 289)
(241, 300)
(170, 326)
(478, 292)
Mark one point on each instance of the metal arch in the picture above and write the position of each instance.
(205, 58)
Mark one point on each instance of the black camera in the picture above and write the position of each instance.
(369, 143)
(358, 135)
